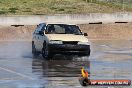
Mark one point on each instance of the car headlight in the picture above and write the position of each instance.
(55, 42)
(83, 43)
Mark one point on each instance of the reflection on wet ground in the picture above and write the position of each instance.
(59, 73)
(19, 69)
(58, 68)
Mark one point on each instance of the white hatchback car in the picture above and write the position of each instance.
(50, 39)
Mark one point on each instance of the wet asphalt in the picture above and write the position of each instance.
(109, 59)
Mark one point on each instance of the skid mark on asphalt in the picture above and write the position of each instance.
(17, 73)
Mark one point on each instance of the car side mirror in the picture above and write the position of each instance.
(85, 34)
(41, 32)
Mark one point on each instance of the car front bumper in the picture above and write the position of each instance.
(69, 49)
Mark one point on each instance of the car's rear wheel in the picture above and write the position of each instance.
(34, 51)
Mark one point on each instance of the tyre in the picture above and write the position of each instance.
(34, 51)
(87, 53)
(45, 51)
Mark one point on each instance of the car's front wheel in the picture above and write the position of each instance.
(45, 52)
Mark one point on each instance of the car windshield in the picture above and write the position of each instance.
(62, 29)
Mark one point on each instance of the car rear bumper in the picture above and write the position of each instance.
(69, 49)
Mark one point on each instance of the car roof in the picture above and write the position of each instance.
(56, 24)
(60, 24)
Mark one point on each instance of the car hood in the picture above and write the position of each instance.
(67, 37)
